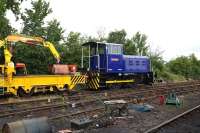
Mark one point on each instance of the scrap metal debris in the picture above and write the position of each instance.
(141, 107)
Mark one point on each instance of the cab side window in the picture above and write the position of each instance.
(93, 51)
(137, 63)
(115, 49)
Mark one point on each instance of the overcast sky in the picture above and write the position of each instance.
(173, 26)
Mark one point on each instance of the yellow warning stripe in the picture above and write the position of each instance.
(78, 79)
(119, 81)
(94, 81)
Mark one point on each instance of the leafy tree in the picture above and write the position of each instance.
(157, 63)
(181, 66)
(5, 27)
(72, 53)
(38, 58)
(130, 47)
(195, 65)
(118, 36)
(140, 41)
(12, 5)
(54, 32)
(33, 18)
(137, 45)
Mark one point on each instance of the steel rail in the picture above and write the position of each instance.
(127, 96)
(156, 128)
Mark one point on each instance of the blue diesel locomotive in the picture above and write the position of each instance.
(108, 67)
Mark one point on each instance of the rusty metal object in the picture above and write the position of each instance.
(59, 69)
(35, 125)
(72, 68)
(116, 107)
(80, 123)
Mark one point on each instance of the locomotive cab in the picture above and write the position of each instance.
(104, 57)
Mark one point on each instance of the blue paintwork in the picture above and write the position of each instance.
(136, 64)
(119, 63)
(115, 63)
(103, 62)
(94, 62)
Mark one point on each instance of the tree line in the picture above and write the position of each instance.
(38, 58)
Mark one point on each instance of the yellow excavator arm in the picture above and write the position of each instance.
(33, 41)
(52, 49)
(9, 65)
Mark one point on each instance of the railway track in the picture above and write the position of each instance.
(84, 99)
(82, 94)
(172, 125)
(89, 104)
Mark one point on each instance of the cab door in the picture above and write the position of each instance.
(115, 62)
(93, 58)
(98, 57)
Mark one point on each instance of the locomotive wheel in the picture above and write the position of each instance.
(58, 91)
(31, 92)
(118, 86)
(22, 93)
(115, 86)
(125, 86)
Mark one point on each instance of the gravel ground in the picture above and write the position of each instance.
(190, 123)
(139, 122)
(136, 122)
